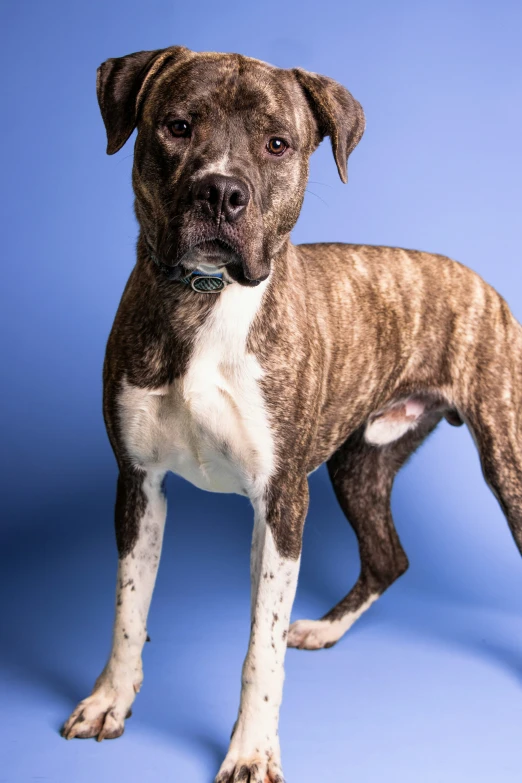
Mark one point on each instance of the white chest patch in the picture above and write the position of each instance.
(210, 426)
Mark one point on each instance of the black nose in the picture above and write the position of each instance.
(222, 196)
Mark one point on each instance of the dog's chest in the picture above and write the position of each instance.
(209, 426)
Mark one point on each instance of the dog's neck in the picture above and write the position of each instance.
(201, 280)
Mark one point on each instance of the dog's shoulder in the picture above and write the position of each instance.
(153, 334)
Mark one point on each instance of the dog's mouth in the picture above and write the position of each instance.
(214, 255)
(210, 253)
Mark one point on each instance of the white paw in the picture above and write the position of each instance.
(100, 715)
(255, 769)
(312, 634)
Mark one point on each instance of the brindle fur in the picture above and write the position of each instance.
(343, 331)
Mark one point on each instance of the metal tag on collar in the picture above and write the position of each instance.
(207, 284)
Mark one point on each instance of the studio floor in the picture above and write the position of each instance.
(427, 686)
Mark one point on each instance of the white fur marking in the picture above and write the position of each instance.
(210, 426)
(120, 680)
(220, 166)
(274, 579)
(315, 634)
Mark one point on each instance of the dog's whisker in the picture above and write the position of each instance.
(324, 184)
(126, 157)
(316, 195)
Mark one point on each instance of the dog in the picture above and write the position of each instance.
(242, 362)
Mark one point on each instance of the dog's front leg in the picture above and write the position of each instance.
(254, 753)
(140, 520)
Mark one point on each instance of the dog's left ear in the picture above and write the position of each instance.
(336, 112)
(120, 86)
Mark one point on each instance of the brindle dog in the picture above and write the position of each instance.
(242, 363)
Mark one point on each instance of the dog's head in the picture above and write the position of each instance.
(221, 156)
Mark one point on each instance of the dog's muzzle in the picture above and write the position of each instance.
(216, 204)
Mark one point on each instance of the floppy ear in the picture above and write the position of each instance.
(337, 114)
(120, 86)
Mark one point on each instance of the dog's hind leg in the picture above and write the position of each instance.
(140, 519)
(497, 431)
(362, 476)
(491, 405)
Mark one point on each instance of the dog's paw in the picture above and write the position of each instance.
(253, 770)
(312, 634)
(101, 715)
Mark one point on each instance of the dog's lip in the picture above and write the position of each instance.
(216, 247)
(213, 247)
(218, 251)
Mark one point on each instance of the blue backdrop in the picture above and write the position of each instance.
(427, 686)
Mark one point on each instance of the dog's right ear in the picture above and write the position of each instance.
(120, 85)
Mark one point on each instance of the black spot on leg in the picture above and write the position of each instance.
(285, 634)
(244, 773)
(131, 503)
(133, 588)
(125, 635)
(266, 698)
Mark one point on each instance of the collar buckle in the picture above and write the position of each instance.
(204, 283)
(207, 284)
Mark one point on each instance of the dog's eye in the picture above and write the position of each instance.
(276, 146)
(179, 129)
